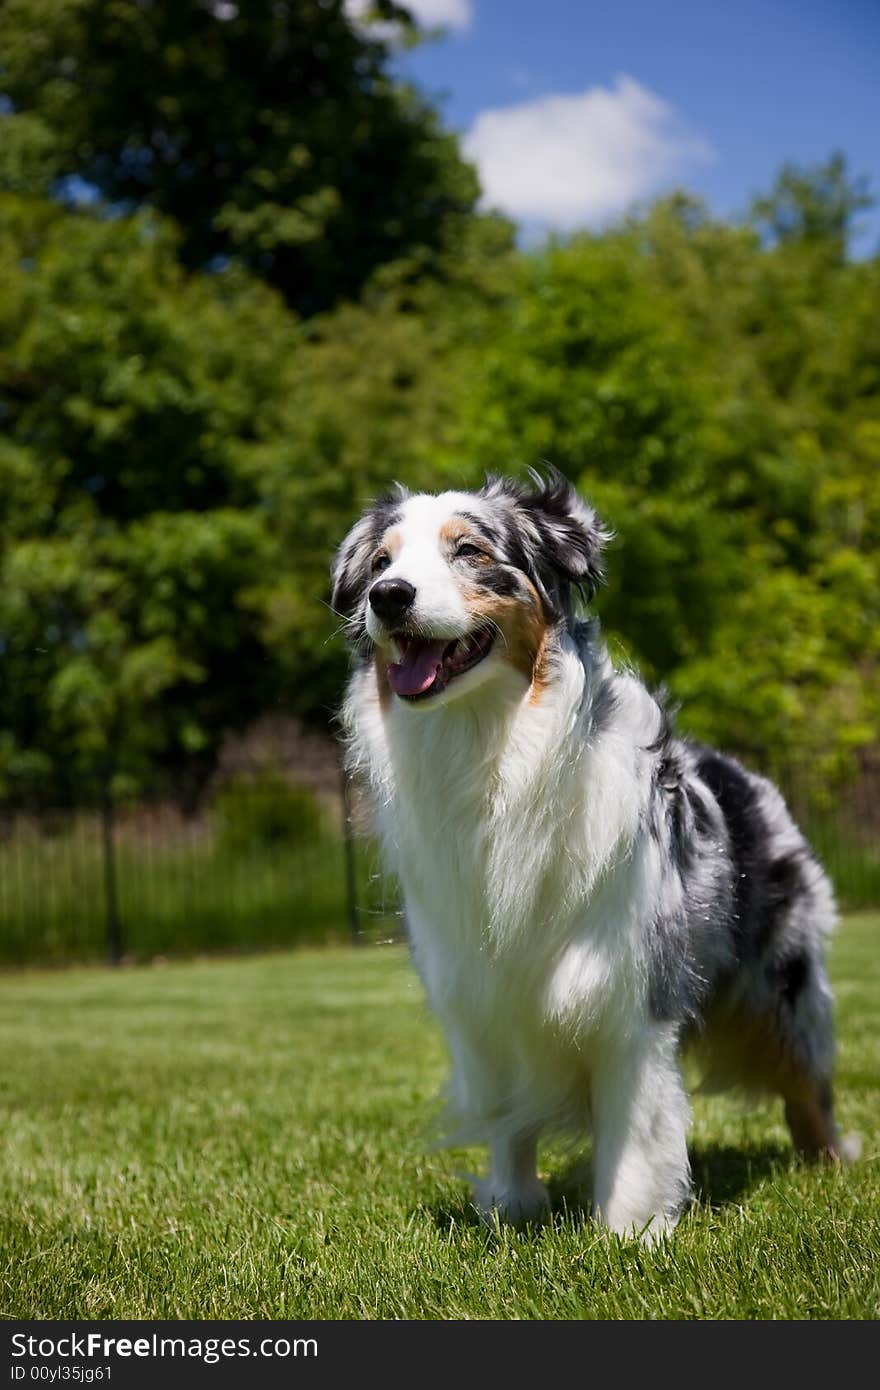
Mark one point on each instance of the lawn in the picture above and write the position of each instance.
(248, 1138)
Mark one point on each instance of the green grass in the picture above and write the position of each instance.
(248, 1139)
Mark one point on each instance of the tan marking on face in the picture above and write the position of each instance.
(381, 664)
(524, 632)
(392, 541)
(390, 545)
(541, 669)
(456, 530)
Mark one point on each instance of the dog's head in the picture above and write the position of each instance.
(446, 588)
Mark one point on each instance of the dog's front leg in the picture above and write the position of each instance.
(641, 1173)
(483, 1099)
(513, 1189)
(512, 1192)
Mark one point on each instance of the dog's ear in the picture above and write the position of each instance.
(572, 536)
(560, 538)
(350, 571)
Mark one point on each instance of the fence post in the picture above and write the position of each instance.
(349, 851)
(111, 897)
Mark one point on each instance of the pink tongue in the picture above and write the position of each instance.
(417, 671)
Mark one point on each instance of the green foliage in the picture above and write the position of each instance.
(266, 811)
(816, 206)
(270, 132)
(133, 539)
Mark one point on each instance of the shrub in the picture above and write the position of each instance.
(265, 811)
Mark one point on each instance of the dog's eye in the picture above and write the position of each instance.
(380, 562)
(468, 551)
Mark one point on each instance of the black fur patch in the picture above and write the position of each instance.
(499, 580)
(352, 572)
(384, 514)
(738, 800)
(699, 810)
(783, 881)
(793, 975)
(676, 797)
(604, 704)
(483, 528)
(667, 990)
(514, 546)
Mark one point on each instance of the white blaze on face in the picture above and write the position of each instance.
(439, 608)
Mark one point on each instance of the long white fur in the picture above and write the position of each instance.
(582, 889)
(527, 874)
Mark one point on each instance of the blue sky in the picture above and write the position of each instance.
(573, 110)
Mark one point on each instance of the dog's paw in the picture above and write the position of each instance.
(521, 1206)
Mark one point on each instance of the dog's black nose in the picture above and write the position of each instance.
(390, 599)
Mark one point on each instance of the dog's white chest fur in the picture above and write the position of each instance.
(512, 833)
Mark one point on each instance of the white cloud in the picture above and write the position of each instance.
(452, 14)
(448, 14)
(569, 161)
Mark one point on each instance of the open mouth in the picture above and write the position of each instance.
(427, 665)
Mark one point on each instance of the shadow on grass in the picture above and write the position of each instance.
(722, 1174)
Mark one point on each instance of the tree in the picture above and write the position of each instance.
(585, 366)
(815, 207)
(134, 545)
(270, 131)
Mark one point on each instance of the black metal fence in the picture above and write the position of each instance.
(263, 863)
(266, 863)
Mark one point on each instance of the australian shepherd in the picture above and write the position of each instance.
(585, 892)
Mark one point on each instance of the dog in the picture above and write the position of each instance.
(586, 893)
